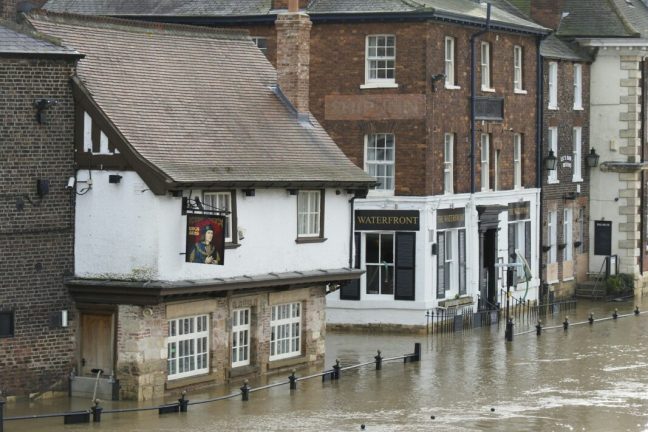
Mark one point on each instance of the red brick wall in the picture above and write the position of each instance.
(547, 12)
(36, 243)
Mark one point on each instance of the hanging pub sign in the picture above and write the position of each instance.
(519, 211)
(205, 239)
(387, 220)
(451, 218)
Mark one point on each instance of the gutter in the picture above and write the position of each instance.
(473, 96)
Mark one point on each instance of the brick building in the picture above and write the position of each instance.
(392, 83)
(37, 316)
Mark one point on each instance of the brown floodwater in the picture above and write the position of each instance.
(589, 378)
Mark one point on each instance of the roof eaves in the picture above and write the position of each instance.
(627, 24)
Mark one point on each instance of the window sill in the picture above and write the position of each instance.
(580, 108)
(291, 361)
(567, 279)
(188, 381)
(552, 108)
(380, 193)
(232, 245)
(310, 239)
(239, 371)
(378, 85)
(452, 87)
(520, 92)
(488, 89)
(553, 181)
(577, 180)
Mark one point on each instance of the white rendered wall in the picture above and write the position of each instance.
(124, 231)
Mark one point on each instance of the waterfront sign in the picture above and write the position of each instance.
(387, 220)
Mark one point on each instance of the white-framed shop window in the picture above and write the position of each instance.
(221, 201)
(519, 243)
(450, 80)
(448, 163)
(552, 234)
(188, 347)
(517, 69)
(285, 327)
(451, 262)
(553, 86)
(568, 251)
(379, 263)
(578, 87)
(552, 175)
(577, 135)
(485, 162)
(517, 160)
(380, 58)
(241, 337)
(380, 154)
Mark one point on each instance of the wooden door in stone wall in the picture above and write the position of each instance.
(96, 343)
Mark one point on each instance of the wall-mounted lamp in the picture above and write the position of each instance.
(436, 78)
(249, 192)
(292, 191)
(41, 105)
(551, 161)
(592, 158)
(114, 178)
(570, 196)
(42, 187)
(435, 249)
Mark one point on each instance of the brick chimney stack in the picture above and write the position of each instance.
(9, 9)
(547, 12)
(293, 55)
(284, 4)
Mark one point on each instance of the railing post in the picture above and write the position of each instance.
(293, 380)
(591, 318)
(508, 333)
(636, 311)
(336, 369)
(245, 391)
(615, 314)
(539, 328)
(379, 360)
(417, 351)
(182, 402)
(566, 323)
(96, 411)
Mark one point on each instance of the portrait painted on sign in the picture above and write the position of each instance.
(205, 239)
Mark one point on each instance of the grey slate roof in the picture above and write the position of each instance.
(467, 10)
(198, 103)
(15, 42)
(555, 48)
(601, 18)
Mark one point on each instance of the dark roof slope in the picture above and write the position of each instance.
(15, 40)
(198, 104)
(555, 48)
(467, 11)
(599, 18)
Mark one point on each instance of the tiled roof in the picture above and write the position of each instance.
(468, 10)
(16, 41)
(555, 48)
(198, 103)
(599, 18)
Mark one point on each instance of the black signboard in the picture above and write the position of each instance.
(451, 218)
(602, 237)
(387, 220)
(519, 211)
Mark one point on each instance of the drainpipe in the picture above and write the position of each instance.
(351, 236)
(473, 96)
(539, 152)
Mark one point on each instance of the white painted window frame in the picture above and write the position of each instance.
(448, 163)
(285, 331)
(518, 64)
(552, 233)
(371, 61)
(188, 347)
(386, 166)
(577, 135)
(552, 136)
(308, 213)
(450, 50)
(241, 337)
(221, 200)
(568, 234)
(553, 86)
(385, 266)
(485, 162)
(517, 161)
(578, 86)
(486, 84)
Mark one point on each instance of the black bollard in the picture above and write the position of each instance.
(566, 323)
(539, 328)
(591, 318)
(615, 314)
(417, 352)
(2, 402)
(508, 333)
(293, 380)
(336, 369)
(96, 412)
(636, 311)
(378, 361)
(182, 402)
(245, 391)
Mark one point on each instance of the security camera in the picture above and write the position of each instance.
(70, 183)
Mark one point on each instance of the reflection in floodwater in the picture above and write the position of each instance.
(589, 378)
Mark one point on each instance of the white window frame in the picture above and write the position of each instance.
(384, 267)
(188, 347)
(496, 167)
(577, 134)
(552, 233)
(517, 160)
(578, 86)
(285, 331)
(241, 337)
(258, 42)
(518, 63)
(485, 162)
(568, 234)
(221, 201)
(552, 136)
(382, 169)
(309, 213)
(449, 47)
(373, 59)
(486, 84)
(520, 245)
(553, 86)
(448, 164)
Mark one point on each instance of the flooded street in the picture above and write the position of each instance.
(590, 378)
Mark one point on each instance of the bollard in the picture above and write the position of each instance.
(293, 380)
(336, 369)
(245, 391)
(636, 311)
(96, 411)
(566, 323)
(539, 328)
(615, 314)
(591, 318)
(378, 361)
(417, 351)
(182, 402)
(508, 333)
(2, 402)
